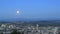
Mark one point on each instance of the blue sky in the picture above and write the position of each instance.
(43, 9)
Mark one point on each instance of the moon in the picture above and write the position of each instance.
(17, 12)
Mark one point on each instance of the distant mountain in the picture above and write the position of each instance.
(32, 20)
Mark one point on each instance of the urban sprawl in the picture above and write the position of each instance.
(28, 28)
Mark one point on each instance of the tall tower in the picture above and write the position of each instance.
(37, 26)
(37, 29)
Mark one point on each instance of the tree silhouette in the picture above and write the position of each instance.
(1, 32)
(15, 32)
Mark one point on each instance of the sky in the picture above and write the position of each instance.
(31, 9)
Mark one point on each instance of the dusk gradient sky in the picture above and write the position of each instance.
(43, 9)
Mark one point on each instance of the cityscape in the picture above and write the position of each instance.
(28, 28)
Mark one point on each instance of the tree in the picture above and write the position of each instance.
(1, 32)
(22, 32)
(15, 32)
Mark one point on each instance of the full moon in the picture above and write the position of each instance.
(17, 12)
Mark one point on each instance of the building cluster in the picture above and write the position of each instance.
(8, 28)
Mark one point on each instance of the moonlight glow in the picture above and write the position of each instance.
(18, 12)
